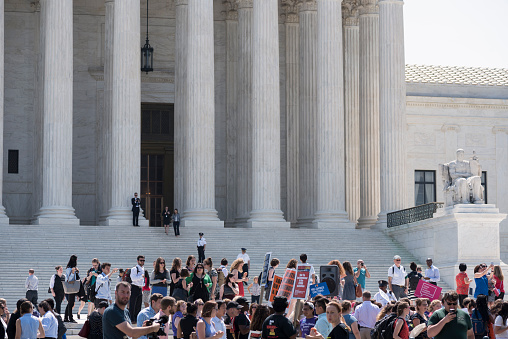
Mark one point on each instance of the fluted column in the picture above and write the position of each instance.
(244, 136)
(181, 36)
(57, 112)
(125, 145)
(266, 116)
(369, 114)
(352, 107)
(308, 112)
(200, 111)
(392, 108)
(3, 217)
(292, 107)
(105, 120)
(330, 117)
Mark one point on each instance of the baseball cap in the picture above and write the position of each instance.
(233, 304)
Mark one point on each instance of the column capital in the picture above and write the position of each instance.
(36, 5)
(290, 11)
(307, 5)
(500, 129)
(231, 10)
(450, 127)
(350, 12)
(244, 4)
(181, 2)
(109, 1)
(368, 7)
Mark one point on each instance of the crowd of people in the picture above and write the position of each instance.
(198, 300)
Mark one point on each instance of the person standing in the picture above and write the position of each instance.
(462, 281)
(246, 260)
(431, 273)
(166, 219)
(361, 272)
(397, 279)
(160, 277)
(450, 322)
(201, 248)
(176, 222)
(277, 326)
(32, 286)
(150, 311)
(349, 292)
(137, 276)
(95, 320)
(56, 287)
(241, 323)
(309, 320)
(136, 204)
(28, 325)
(103, 283)
(499, 277)
(3, 324)
(200, 284)
(71, 276)
(384, 296)
(48, 320)
(217, 320)
(366, 315)
(205, 329)
(322, 324)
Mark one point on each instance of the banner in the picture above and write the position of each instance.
(319, 289)
(275, 287)
(427, 290)
(266, 266)
(302, 281)
(288, 282)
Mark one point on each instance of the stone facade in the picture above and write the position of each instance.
(445, 109)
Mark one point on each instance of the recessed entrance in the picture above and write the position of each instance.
(157, 159)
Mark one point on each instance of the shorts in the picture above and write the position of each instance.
(146, 297)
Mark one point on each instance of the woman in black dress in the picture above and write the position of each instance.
(166, 219)
(200, 284)
(174, 273)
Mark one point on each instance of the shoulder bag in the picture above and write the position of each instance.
(358, 288)
(85, 330)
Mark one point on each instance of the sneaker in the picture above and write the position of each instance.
(72, 321)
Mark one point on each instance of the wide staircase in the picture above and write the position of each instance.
(44, 247)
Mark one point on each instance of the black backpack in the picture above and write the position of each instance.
(384, 327)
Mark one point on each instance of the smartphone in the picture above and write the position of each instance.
(492, 263)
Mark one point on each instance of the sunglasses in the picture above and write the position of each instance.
(200, 268)
(451, 304)
(397, 259)
(162, 262)
(142, 260)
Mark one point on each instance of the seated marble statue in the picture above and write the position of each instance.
(462, 180)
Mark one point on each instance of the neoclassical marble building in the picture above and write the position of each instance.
(258, 112)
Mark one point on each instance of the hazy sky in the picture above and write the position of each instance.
(456, 32)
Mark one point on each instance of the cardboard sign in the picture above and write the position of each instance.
(266, 266)
(288, 282)
(427, 290)
(302, 281)
(275, 287)
(319, 289)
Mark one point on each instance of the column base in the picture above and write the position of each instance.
(4, 219)
(332, 219)
(201, 218)
(267, 218)
(241, 222)
(382, 221)
(202, 223)
(366, 222)
(55, 215)
(306, 222)
(123, 217)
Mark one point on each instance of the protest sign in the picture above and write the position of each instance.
(302, 281)
(266, 266)
(275, 287)
(427, 290)
(319, 289)
(288, 282)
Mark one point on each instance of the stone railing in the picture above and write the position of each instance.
(413, 214)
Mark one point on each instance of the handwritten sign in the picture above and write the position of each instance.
(302, 281)
(288, 282)
(319, 289)
(427, 290)
(266, 266)
(275, 287)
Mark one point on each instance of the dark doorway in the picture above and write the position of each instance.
(157, 159)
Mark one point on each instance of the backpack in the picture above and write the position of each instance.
(127, 276)
(220, 277)
(384, 327)
(478, 323)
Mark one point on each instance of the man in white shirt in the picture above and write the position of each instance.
(137, 282)
(32, 286)
(431, 273)
(103, 283)
(366, 315)
(246, 261)
(384, 296)
(201, 248)
(217, 320)
(397, 280)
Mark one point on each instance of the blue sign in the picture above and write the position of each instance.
(266, 266)
(319, 289)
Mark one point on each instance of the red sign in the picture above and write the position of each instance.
(427, 290)
(302, 281)
(275, 286)
(288, 282)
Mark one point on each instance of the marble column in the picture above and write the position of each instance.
(266, 116)
(244, 122)
(57, 115)
(200, 112)
(3, 217)
(181, 36)
(125, 145)
(292, 107)
(105, 119)
(369, 114)
(307, 112)
(331, 209)
(231, 108)
(352, 107)
(392, 108)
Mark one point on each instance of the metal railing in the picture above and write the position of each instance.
(413, 214)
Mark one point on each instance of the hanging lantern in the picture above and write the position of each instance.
(147, 50)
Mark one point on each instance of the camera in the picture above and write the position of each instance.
(161, 321)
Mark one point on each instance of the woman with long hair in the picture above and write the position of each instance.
(501, 323)
(200, 284)
(56, 287)
(434, 306)
(166, 219)
(351, 321)
(181, 309)
(401, 330)
(384, 311)
(190, 263)
(342, 273)
(256, 325)
(205, 329)
(188, 324)
(159, 278)
(334, 316)
(482, 312)
(213, 277)
(482, 278)
(181, 291)
(230, 288)
(240, 275)
(498, 275)
(349, 282)
(71, 276)
(419, 317)
(176, 267)
(274, 263)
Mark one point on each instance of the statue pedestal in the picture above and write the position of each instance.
(463, 233)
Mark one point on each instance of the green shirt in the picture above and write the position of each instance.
(206, 280)
(455, 329)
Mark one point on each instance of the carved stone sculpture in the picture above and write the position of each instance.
(462, 180)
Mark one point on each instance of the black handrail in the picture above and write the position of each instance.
(413, 214)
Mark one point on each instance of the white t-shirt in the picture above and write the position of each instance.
(243, 256)
(499, 322)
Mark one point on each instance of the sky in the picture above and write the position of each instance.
(472, 33)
